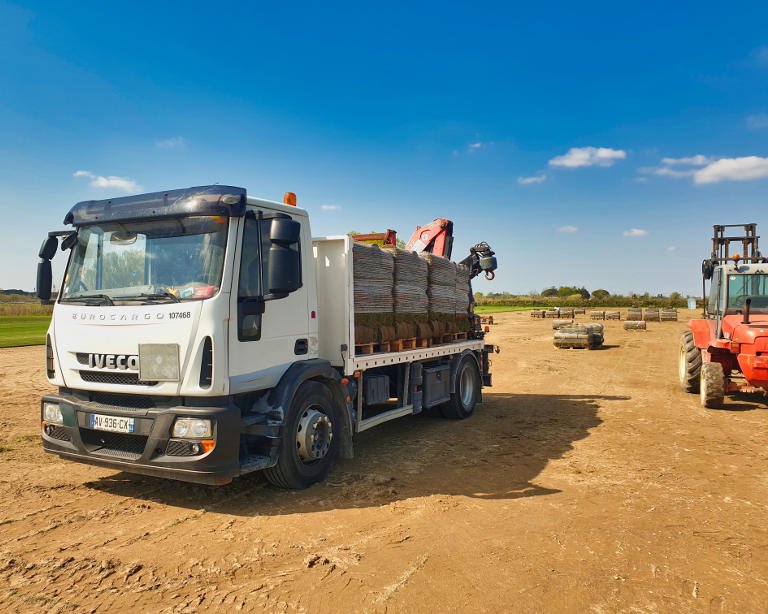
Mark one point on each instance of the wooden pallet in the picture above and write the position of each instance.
(398, 345)
(459, 336)
(372, 348)
(364, 348)
(440, 339)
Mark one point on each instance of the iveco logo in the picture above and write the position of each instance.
(113, 361)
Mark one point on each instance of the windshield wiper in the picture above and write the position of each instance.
(153, 296)
(104, 298)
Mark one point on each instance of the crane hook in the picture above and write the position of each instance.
(489, 275)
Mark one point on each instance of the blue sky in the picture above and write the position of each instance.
(588, 143)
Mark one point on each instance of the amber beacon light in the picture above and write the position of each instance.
(289, 199)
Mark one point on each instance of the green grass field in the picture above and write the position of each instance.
(16, 331)
(484, 309)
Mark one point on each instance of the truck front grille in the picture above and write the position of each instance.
(62, 433)
(115, 399)
(121, 379)
(179, 448)
(129, 447)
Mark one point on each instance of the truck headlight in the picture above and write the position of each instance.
(196, 428)
(52, 413)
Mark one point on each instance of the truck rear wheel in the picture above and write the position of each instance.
(310, 442)
(467, 393)
(712, 385)
(689, 364)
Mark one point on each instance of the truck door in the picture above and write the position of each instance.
(265, 336)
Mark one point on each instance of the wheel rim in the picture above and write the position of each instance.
(467, 386)
(314, 435)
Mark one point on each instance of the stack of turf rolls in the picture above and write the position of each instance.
(461, 298)
(373, 294)
(441, 290)
(411, 301)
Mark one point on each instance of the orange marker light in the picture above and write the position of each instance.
(289, 198)
(207, 445)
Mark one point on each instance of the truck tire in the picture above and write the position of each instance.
(310, 441)
(467, 393)
(689, 364)
(712, 385)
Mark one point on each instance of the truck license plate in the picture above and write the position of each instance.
(116, 424)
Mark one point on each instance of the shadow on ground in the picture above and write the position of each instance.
(496, 454)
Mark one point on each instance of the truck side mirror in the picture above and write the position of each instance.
(44, 280)
(283, 274)
(284, 230)
(44, 272)
(48, 248)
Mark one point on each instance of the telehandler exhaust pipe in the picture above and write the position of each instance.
(747, 307)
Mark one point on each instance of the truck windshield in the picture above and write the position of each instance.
(174, 259)
(741, 287)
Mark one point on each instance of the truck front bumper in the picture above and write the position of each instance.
(150, 449)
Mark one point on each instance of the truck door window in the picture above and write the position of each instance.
(249, 283)
(714, 294)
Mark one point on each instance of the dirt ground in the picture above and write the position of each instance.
(585, 481)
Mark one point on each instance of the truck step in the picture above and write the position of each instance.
(256, 463)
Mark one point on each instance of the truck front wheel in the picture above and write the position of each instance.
(712, 390)
(310, 443)
(467, 392)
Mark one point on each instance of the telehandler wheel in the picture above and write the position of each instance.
(467, 393)
(689, 368)
(310, 441)
(712, 385)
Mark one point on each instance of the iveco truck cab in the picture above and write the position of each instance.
(200, 334)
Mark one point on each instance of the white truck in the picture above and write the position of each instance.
(201, 334)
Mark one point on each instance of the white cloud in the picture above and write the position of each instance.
(733, 169)
(671, 172)
(111, 181)
(578, 157)
(568, 229)
(635, 232)
(540, 178)
(478, 146)
(697, 160)
(757, 121)
(174, 142)
(672, 248)
(473, 148)
(330, 207)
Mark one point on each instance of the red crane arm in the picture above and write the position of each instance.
(435, 237)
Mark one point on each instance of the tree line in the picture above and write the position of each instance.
(580, 297)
